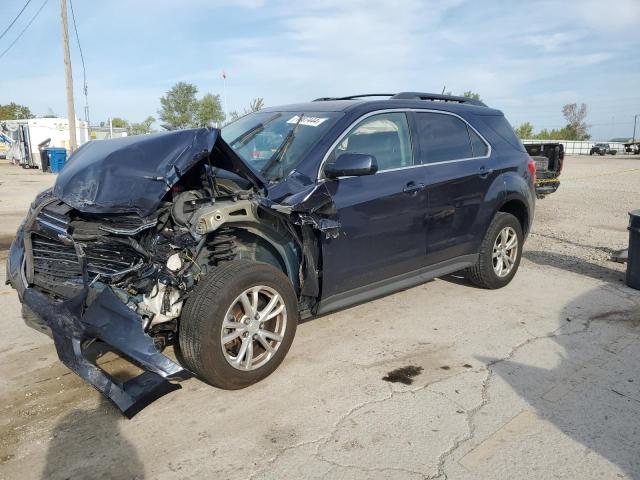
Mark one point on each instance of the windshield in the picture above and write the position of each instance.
(274, 143)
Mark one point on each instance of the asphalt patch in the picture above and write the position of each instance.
(403, 375)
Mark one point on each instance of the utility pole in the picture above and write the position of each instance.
(635, 118)
(71, 112)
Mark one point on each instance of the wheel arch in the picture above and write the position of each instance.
(518, 208)
(260, 243)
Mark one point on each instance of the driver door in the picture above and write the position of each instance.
(382, 216)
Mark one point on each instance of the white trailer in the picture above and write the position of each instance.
(28, 134)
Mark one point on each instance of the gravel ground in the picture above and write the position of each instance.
(536, 380)
(581, 225)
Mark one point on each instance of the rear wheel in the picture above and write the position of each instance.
(238, 325)
(500, 253)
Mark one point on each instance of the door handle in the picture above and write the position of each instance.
(485, 172)
(412, 188)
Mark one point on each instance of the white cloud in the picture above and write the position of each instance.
(509, 52)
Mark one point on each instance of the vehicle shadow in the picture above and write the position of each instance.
(89, 444)
(592, 392)
(575, 265)
(556, 260)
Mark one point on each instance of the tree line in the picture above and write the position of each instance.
(575, 129)
(180, 108)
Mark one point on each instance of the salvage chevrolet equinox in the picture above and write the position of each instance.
(218, 241)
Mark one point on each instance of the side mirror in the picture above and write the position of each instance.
(351, 165)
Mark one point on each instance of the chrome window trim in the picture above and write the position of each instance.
(320, 174)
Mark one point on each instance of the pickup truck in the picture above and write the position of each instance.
(632, 147)
(602, 149)
(548, 158)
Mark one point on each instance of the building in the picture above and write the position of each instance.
(104, 133)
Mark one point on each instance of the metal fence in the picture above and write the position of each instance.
(575, 147)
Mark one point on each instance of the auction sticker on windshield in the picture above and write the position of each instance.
(308, 121)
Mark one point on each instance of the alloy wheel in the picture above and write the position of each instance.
(505, 252)
(253, 328)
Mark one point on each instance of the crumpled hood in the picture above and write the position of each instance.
(133, 174)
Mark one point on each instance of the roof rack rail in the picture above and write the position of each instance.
(354, 97)
(436, 97)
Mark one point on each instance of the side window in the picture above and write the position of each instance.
(385, 136)
(442, 137)
(478, 146)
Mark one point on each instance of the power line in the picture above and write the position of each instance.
(24, 29)
(84, 72)
(14, 20)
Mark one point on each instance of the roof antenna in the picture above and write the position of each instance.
(443, 88)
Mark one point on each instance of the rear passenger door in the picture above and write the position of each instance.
(458, 171)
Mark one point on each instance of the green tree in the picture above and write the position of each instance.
(525, 130)
(209, 111)
(470, 94)
(14, 111)
(179, 106)
(117, 122)
(256, 104)
(143, 127)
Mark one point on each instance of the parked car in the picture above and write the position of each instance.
(549, 159)
(218, 241)
(602, 149)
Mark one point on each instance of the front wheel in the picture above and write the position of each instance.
(238, 324)
(500, 253)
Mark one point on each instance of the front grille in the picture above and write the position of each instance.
(56, 266)
(54, 259)
(110, 258)
(59, 261)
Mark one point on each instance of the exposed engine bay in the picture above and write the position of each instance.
(152, 263)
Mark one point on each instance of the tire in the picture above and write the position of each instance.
(483, 274)
(201, 326)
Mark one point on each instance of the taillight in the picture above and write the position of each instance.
(531, 165)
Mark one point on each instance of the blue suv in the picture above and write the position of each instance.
(218, 241)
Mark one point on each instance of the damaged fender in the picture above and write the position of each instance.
(313, 206)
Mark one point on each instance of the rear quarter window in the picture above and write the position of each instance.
(442, 137)
(500, 125)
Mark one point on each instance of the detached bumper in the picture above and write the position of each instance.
(117, 328)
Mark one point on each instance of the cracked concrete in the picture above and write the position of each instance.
(538, 379)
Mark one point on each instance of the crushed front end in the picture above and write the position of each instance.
(102, 283)
(106, 258)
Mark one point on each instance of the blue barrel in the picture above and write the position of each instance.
(57, 159)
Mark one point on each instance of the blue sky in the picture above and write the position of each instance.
(525, 58)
